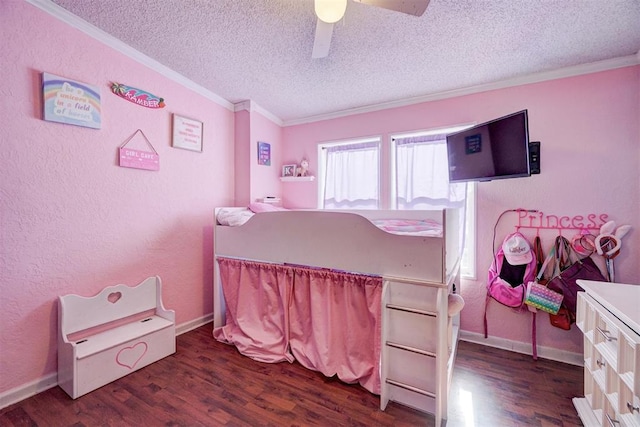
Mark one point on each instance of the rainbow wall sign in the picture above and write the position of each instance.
(71, 102)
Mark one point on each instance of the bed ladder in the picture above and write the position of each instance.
(415, 358)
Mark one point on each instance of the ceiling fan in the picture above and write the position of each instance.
(331, 11)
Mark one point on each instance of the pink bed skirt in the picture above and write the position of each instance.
(328, 321)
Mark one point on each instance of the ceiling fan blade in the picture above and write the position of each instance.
(322, 41)
(411, 7)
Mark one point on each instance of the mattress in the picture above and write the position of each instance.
(408, 227)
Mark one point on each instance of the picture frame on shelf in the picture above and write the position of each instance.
(289, 170)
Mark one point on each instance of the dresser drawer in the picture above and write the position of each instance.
(605, 314)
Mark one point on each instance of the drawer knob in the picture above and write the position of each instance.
(633, 408)
(600, 363)
(606, 334)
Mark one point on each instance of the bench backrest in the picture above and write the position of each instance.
(112, 303)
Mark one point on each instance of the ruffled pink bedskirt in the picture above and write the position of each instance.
(328, 321)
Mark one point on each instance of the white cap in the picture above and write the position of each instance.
(517, 250)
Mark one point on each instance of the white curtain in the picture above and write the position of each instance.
(422, 174)
(352, 176)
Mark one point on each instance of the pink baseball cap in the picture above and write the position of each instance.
(517, 250)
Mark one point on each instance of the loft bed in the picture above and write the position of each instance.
(411, 334)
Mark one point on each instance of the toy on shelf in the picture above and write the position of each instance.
(303, 170)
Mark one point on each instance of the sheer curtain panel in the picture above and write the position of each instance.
(352, 176)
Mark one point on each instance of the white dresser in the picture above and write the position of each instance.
(608, 314)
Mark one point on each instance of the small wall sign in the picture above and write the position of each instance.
(139, 159)
(264, 153)
(70, 102)
(137, 96)
(187, 133)
(289, 170)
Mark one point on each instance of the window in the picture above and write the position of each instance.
(468, 261)
(422, 174)
(350, 175)
(350, 178)
(421, 181)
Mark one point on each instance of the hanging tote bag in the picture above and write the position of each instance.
(564, 282)
(539, 296)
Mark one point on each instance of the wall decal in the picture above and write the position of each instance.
(139, 159)
(264, 153)
(187, 133)
(137, 96)
(70, 102)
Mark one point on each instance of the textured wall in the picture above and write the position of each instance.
(265, 179)
(590, 135)
(72, 221)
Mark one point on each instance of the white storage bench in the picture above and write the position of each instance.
(112, 334)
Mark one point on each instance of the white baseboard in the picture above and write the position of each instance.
(48, 381)
(524, 348)
(190, 326)
(25, 391)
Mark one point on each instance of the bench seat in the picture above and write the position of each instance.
(107, 336)
(113, 337)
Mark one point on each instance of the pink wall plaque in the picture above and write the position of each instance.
(139, 159)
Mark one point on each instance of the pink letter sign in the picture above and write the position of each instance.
(138, 159)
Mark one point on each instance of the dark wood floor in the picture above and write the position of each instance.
(207, 383)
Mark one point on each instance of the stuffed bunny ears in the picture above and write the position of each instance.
(609, 241)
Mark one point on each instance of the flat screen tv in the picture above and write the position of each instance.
(494, 150)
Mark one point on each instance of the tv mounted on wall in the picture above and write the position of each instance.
(493, 150)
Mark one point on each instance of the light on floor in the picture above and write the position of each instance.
(466, 406)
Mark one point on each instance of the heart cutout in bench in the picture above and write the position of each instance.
(114, 297)
(130, 356)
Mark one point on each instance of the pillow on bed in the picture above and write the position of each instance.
(233, 216)
(264, 207)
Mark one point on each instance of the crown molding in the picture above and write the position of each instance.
(248, 105)
(594, 67)
(92, 31)
(252, 106)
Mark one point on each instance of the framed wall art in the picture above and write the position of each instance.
(289, 170)
(264, 153)
(187, 133)
(70, 102)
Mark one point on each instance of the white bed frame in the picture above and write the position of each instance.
(419, 340)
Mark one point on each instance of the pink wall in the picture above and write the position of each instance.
(75, 222)
(242, 152)
(588, 126)
(252, 180)
(265, 179)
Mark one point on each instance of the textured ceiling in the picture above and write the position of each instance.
(261, 49)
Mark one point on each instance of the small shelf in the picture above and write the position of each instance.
(297, 178)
